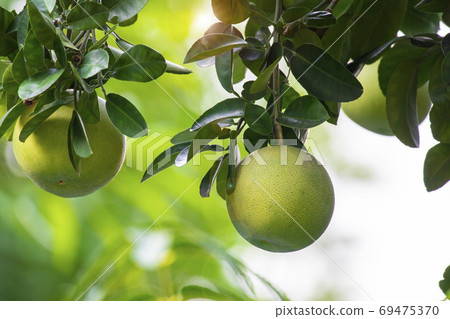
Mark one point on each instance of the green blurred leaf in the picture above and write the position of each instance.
(230, 11)
(323, 76)
(440, 123)
(230, 108)
(79, 137)
(212, 45)
(401, 103)
(176, 69)
(122, 10)
(94, 62)
(436, 172)
(11, 117)
(164, 160)
(39, 83)
(42, 25)
(140, 63)
(433, 5)
(125, 116)
(305, 112)
(33, 53)
(258, 119)
(445, 283)
(198, 292)
(319, 19)
(209, 179)
(378, 24)
(87, 15)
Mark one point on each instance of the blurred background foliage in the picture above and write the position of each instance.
(58, 249)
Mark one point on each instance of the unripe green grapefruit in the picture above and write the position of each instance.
(284, 205)
(44, 157)
(369, 111)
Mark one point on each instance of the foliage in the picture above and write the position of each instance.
(324, 45)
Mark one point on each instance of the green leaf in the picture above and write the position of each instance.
(294, 13)
(254, 141)
(222, 177)
(249, 96)
(305, 112)
(99, 44)
(437, 87)
(183, 137)
(198, 292)
(342, 7)
(94, 62)
(258, 119)
(45, 5)
(440, 123)
(445, 283)
(239, 69)
(210, 177)
(33, 53)
(224, 70)
(380, 20)
(183, 158)
(323, 76)
(79, 137)
(233, 160)
(230, 11)
(401, 103)
(39, 118)
(39, 83)
(19, 68)
(176, 69)
(319, 19)
(445, 45)
(304, 36)
(11, 117)
(436, 172)
(74, 158)
(203, 137)
(125, 116)
(80, 80)
(164, 160)
(122, 10)
(140, 63)
(60, 51)
(22, 21)
(87, 15)
(416, 21)
(88, 107)
(433, 5)
(212, 45)
(10, 85)
(274, 57)
(445, 70)
(42, 25)
(8, 40)
(66, 42)
(230, 108)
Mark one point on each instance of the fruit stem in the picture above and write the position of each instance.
(276, 85)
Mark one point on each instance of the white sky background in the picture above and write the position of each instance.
(389, 235)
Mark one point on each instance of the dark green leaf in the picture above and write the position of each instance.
(94, 62)
(231, 108)
(129, 21)
(239, 69)
(304, 36)
(122, 10)
(221, 179)
(342, 7)
(249, 96)
(437, 88)
(380, 20)
(79, 137)
(9, 84)
(8, 40)
(19, 68)
(125, 116)
(183, 137)
(294, 13)
(274, 57)
(445, 283)
(440, 122)
(60, 51)
(176, 69)
(87, 15)
(230, 11)
(445, 69)
(416, 21)
(224, 70)
(446, 44)
(74, 158)
(436, 172)
(258, 119)
(319, 19)
(80, 80)
(212, 45)
(401, 103)
(42, 25)
(203, 137)
(39, 83)
(305, 112)
(88, 107)
(233, 160)
(33, 53)
(164, 160)
(323, 76)
(210, 177)
(140, 64)
(38, 119)
(433, 5)
(11, 117)
(254, 141)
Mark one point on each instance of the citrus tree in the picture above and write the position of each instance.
(57, 53)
